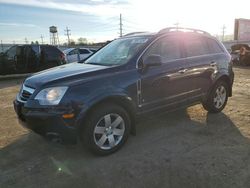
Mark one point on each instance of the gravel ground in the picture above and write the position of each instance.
(186, 148)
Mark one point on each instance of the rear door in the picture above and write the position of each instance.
(201, 54)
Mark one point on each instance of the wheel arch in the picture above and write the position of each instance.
(121, 100)
(226, 79)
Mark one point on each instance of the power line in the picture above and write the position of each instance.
(104, 30)
(101, 25)
(98, 29)
(132, 25)
(129, 22)
(131, 28)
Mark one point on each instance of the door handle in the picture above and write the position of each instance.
(182, 70)
(213, 64)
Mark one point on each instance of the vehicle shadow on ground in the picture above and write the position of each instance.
(241, 66)
(171, 150)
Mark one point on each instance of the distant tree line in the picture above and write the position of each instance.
(80, 42)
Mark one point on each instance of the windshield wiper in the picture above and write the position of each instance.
(93, 63)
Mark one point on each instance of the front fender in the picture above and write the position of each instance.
(117, 96)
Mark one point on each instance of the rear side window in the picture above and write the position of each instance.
(51, 52)
(214, 47)
(11, 52)
(20, 50)
(196, 46)
(83, 51)
(167, 48)
(73, 52)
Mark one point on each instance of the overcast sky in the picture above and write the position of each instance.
(98, 20)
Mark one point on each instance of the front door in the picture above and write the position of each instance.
(165, 84)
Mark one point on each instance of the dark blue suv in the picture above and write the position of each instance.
(99, 99)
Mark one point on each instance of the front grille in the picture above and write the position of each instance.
(26, 92)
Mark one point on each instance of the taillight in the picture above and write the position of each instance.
(62, 56)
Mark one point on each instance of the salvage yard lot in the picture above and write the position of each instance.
(186, 148)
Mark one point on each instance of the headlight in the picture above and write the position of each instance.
(51, 96)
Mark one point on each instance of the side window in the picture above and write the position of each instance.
(50, 52)
(11, 52)
(196, 46)
(53, 50)
(214, 47)
(19, 50)
(73, 52)
(167, 48)
(83, 51)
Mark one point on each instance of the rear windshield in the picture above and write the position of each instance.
(50, 51)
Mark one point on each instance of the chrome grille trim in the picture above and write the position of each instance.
(28, 89)
(25, 93)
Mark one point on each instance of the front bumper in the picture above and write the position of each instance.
(48, 123)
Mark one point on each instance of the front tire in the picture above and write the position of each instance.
(106, 129)
(217, 98)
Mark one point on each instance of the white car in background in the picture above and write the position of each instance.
(77, 54)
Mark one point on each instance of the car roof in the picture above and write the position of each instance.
(69, 49)
(169, 30)
(139, 34)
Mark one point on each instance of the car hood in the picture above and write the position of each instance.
(63, 73)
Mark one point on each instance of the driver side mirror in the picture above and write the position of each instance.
(152, 60)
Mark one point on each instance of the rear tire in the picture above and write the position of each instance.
(106, 129)
(217, 98)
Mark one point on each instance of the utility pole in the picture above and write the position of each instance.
(26, 40)
(177, 25)
(120, 25)
(42, 38)
(223, 32)
(68, 34)
(14, 42)
(2, 45)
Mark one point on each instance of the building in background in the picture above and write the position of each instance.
(242, 29)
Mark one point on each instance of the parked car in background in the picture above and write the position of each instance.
(30, 58)
(93, 50)
(240, 54)
(77, 54)
(137, 74)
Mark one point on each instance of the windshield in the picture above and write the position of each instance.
(117, 52)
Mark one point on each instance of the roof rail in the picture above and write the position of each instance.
(134, 33)
(170, 29)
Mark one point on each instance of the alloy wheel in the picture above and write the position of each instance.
(220, 96)
(109, 131)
